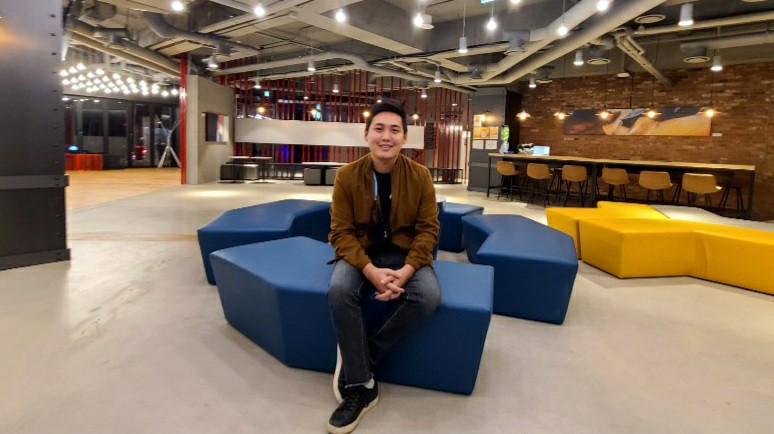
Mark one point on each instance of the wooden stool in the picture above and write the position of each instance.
(655, 181)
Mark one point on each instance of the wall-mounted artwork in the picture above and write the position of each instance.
(670, 121)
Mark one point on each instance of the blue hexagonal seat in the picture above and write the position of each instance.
(276, 294)
(264, 222)
(535, 265)
(451, 225)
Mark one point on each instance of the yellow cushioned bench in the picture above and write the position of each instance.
(628, 247)
(566, 219)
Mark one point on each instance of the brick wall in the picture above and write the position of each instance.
(744, 94)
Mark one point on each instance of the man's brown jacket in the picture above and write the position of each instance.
(355, 208)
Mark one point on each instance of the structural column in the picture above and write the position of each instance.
(32, 181)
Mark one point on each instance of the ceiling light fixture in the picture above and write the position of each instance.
(418, 21)
(437, 74)
(335, 88)
(463, 48)
(523, 115)
(578, 57)
(717, 64)
(686, 15)
(80, 66)
(532, 83)
(310, 66)
(63, 73)
(212, 62)
(562, 31)
(603, 5)
(257, 84)
(366, 114)
(341, 16)
(415, 116)
(491, 25)
(174, 91)
(177, 6)
(424, 93)
(259, 10)
(515, 2)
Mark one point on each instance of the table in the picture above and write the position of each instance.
(595, 163)
(323, 166)
(240, 160)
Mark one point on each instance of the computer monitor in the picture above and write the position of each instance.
(541, 150)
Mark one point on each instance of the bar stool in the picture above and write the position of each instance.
(615, 178)
(655, 181)
(700, 183)
(736, 182)
(575, 175)
(508, 172)
(538, 172)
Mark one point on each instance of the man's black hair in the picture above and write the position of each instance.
(391, 107)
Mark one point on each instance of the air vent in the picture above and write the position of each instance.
(649, 19)
(598, 61)
(696, 59)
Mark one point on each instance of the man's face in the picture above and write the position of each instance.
(385, 137)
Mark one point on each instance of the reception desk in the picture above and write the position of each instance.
(83, 161)
(594, 164)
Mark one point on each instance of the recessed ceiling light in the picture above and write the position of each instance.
(649, 19)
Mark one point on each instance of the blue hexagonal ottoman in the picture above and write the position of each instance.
(264, 222)
(276, 294)
(450, 218)
(535, 265)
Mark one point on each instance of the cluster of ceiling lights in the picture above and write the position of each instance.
(491, 24)
(81, 78)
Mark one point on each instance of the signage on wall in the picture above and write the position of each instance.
(669, 121)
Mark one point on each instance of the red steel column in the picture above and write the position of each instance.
(183, 112)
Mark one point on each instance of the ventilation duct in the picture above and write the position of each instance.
(598, 55)
(516, 40)
(695, 54)
(115, 37)
(100, 12)
(543, 74)
(701, 46)
(165, 30)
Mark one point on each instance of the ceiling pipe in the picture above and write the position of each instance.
(631, 48)
(538, 39)
(84, 34)
(707, 24)
(163, 29)
(619, 13)
(357, 61)
(100, 11)
(125, 55)
(730, 41)
(274, 8)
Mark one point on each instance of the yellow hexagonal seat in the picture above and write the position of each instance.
(566, 219)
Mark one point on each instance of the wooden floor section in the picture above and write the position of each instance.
(90, 188)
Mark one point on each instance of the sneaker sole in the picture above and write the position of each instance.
(336, 374)
(351, 427)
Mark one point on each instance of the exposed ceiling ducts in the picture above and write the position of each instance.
(162, 28)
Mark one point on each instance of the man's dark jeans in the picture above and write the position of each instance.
(361, 349)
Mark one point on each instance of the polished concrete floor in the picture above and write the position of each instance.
(128, 337)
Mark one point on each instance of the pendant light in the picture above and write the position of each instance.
(523, 115)
(717, 64)
(710, 111)
(686, 15)
(491, 25)
(561, 114)
(562, 31)
(463, 40)
(437, 74)
(652, 112)
(259, 10)
(578, 57)
(605, 114)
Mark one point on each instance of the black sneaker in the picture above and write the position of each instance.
(357, 401)
(338, 378)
